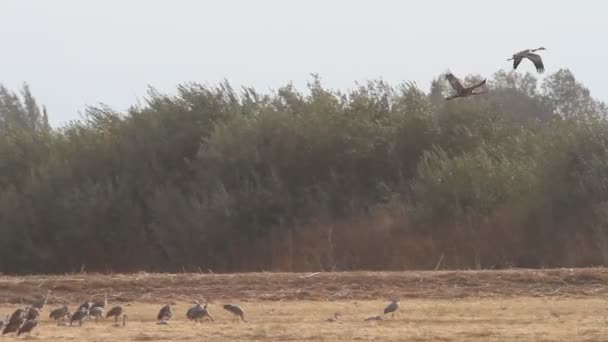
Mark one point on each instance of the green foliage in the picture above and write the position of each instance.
(231, 180)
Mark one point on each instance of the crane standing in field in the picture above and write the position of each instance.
(236, 311)
(392, 307)
(462, 91)
(533, 57)
(27, 327)
(164, 315)
(14, 322)
(198, 312)
(115, 312)
(60, 313)
(96, 312)
(80, 316)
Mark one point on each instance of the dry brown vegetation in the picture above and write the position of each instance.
(548, 305)
(378, 177)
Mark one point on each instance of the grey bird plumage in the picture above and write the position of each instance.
(60, 313)
(79, 316)
(392, 307)
(96, 312)
(164, 315)
(17, 314)
(32, 312)
(236, 311)
(28, 326)
(14, 322)
(198, 312)
(533, 57)
(85, 305)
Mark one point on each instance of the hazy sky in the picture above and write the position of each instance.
(75, 53)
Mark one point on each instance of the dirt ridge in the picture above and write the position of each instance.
(157, 287)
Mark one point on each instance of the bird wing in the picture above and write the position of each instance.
(390, 308)
(478, 85)
(538, 62)
(454, 82)
(516, 61)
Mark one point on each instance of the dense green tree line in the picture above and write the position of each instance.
(377, 177)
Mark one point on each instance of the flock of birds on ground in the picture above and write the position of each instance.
(23, 321)
(462, 91)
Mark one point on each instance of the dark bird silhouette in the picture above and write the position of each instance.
(60, 313)
(115, 312)
(392, 307)
(529, 54)
(17, 314)
(32, 312)
(27, 327)
(79, 316)
(462, 91)
(164, 315)
(236, 311)
(14, 322)
(198, 312)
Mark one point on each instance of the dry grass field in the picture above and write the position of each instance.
(510, 305)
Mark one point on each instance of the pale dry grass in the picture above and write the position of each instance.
(516, 305)
(513, 319)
